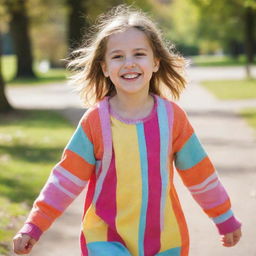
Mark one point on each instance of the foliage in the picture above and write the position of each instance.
(222, 21)
(48, 31)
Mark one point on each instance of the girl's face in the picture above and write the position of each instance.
(129, 61)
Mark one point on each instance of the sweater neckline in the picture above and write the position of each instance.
(131, 120)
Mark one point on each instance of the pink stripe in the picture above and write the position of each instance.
(212, 198)
(106, 131)
(67, 183)
(228, 226)
(83, 245)
(107, 211)
(31, 230)
(152, 230)
(204, 183)
(89, 193)
(107, 144)
(87, 203)
(55, 197)
(203, 188)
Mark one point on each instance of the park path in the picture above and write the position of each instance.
(230, 143)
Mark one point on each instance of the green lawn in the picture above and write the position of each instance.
(235, 90)
(216, 61)
(31, 143)
(9, 69)
(232, 89)
(250, 115)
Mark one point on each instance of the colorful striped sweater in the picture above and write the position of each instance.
(131, 206)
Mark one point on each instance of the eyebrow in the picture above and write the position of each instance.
(136, 49)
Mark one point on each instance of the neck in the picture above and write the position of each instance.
(132, 106)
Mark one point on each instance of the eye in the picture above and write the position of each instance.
(140, 54)
(117, 56)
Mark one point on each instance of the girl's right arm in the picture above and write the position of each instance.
(67, 179)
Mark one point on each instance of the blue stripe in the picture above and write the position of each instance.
(107, 249)
(172, 252)
(81, 145)
(191, 154)
(144, 174)
(164, 143)
(223, 217)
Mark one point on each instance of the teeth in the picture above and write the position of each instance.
(130, 75)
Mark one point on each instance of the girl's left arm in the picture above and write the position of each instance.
(199, 176)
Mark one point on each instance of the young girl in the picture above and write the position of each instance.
(124, 148)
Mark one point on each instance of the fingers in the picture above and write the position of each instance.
(22, 244)
(231, 239)
(236, 236)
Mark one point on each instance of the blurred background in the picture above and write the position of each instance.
(35, 37)
(37, 34)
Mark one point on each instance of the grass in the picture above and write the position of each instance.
(31, 143)
(218, 61)
(232, 89)
(250, 116)
(236, 90)
(9, 70)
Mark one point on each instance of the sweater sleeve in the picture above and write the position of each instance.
(67, 179)
(199, 176)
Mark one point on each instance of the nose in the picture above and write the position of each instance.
(129, 63)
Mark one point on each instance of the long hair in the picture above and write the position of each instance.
(85, 62)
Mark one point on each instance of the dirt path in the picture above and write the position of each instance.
(228, 140)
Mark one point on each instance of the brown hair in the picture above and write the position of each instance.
(85, 61)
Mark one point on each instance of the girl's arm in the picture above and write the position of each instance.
(199, 176)
(67, 179)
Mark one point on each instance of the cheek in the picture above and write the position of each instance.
(113, 69)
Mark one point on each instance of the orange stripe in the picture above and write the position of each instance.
(75, 164)
(181, 222)
(218, 210)
(182, 130)
(45, 217)
(91, 122)
(197, 174)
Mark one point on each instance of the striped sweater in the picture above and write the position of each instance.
(131, 206)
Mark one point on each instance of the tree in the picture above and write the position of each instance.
(4, 104)
(77, 22)
(19, 28)
(229, 22)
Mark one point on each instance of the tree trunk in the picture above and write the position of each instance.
(249, 39)
(4, 104)
(19, 28)
(77, 22)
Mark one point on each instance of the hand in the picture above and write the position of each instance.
(231, 239)
(22, 243)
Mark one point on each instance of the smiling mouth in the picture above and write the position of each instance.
(131, 76)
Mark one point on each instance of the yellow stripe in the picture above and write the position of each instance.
(129, 184)
(170, 236)
(94, 228)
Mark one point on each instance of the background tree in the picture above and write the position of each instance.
(4, 104)
(19, 28)
(232, 23)
(77, 22)
(48, 31)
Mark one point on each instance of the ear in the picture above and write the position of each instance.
(156, 65)
(104, 68)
